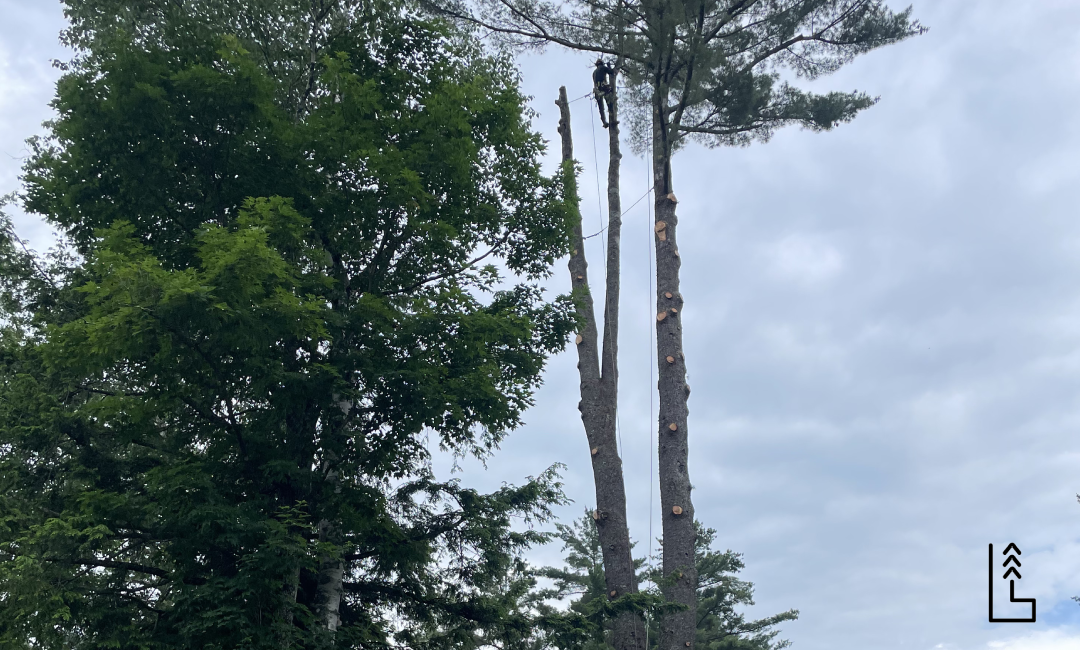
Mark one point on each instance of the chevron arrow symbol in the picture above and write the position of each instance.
(1012, 558)
(1012, 546)
(1011, 570)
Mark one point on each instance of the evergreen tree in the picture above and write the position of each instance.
(710, 71)
(214, 404)
(720, 626)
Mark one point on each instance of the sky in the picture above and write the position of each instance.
(881, 322)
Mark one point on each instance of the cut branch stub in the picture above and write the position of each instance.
(613, 593)
(676, 510)
(673, 426)
(661, 316)
(671, 359)
(579, 339)
(668, 295)
(595, 451)
(671, 197)
(596, 515)
(661, 230)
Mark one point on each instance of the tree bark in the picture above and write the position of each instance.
(330, 583)
(331, 572)
(677, 630)
(599, 392)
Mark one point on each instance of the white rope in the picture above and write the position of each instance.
(652, 422)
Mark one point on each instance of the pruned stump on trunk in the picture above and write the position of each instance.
(661, 230)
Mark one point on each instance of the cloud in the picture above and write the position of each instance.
(882, 329)
(1042, 640)
(804, 259)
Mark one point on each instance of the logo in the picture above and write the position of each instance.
(1012, 566)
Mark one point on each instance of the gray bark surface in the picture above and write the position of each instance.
(677, 630)
(599, 393)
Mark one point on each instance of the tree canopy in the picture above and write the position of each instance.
(279, 283)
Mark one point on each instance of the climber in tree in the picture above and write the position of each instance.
(603, 85)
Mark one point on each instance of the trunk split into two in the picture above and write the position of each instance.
(598, 370)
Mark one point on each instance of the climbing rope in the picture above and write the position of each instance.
(652, 346)
(652, 333)
(640, 199)
(600, 211)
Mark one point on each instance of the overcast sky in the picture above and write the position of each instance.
(882, 330)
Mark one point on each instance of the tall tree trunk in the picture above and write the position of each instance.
(599, 394)
(329, 584)
(677, 510)
(331, 572)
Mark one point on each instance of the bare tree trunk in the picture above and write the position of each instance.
(677, 630)
(599, 394)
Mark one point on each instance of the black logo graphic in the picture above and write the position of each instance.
(1012, 570)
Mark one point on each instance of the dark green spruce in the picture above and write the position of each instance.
(719, 624)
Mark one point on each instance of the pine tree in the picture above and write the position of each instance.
(704, 70)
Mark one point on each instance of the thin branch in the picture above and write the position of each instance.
(447, 274)
(112, 564)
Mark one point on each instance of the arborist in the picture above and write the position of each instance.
(603, 86)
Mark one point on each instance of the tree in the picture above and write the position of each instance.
(213, 411)
(719, 625)
(599, 385)
(705, 70)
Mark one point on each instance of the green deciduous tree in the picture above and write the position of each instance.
(214, 409)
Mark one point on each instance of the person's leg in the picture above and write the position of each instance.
(607, 100)
(600, 107)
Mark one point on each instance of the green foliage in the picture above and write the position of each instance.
(711, 68)
(274, 298)
(720, 594)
